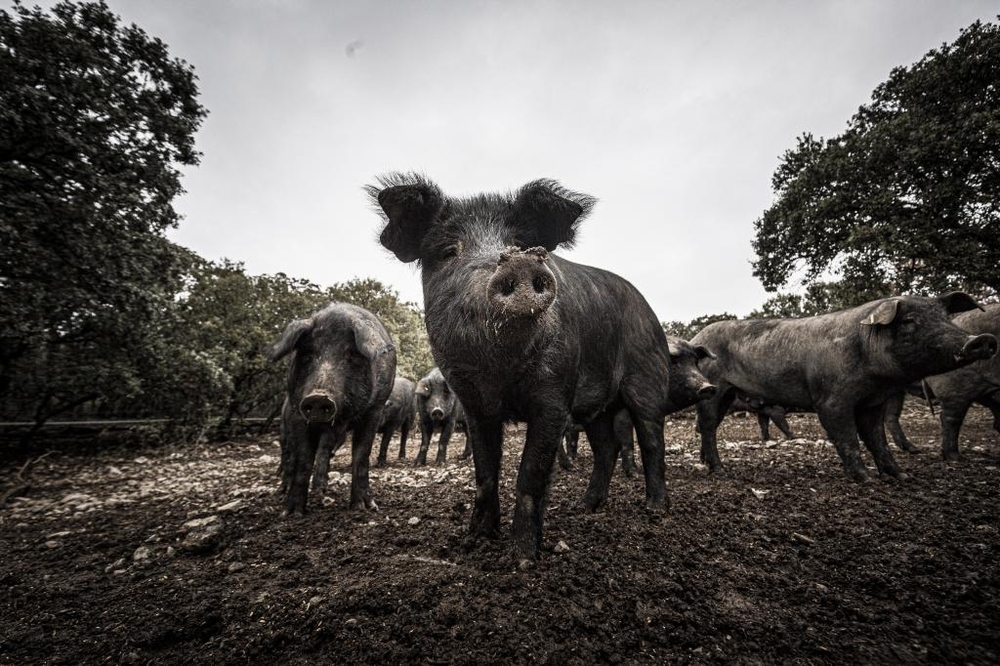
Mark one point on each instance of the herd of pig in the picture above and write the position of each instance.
(522, 335)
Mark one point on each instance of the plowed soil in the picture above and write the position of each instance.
(778, 560)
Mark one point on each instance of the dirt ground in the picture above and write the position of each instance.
(178, 554)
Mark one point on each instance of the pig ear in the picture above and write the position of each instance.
(409, 203)
(703, 352)
(883, 315)
(369, 341)
(549, 213)
(286, 343)
(959, 301)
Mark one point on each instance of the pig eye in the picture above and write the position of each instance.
(451, 251)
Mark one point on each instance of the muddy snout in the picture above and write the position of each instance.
(979, 348)
(318, 407)
(707, 391)
(437, 413)
(523, 285)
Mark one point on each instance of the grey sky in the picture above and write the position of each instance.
(673, 114)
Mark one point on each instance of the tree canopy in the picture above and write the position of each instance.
(96, 118)
(907, 199)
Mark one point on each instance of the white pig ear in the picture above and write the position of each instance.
(286, 343)
(959, 301)
(548, 213)
(883, 315)
(409, 203)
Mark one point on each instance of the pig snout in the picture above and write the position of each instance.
(437, 413)
(318, 407)
(979, 348)
(707, 391)
(522, 285)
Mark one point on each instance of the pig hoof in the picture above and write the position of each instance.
(951, 456)
(859, 476)
(380, 462)
(657, 505)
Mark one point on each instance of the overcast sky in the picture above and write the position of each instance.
(673, 114)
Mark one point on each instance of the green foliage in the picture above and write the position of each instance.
(404, 321)
(229, 317)
(95, 121)
(907, 199)
(819, 298)
(690, 329)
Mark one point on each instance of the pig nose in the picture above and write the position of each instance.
(318, 408)
(979, 348)
(437, 413)
(706, 392)
(522, 285)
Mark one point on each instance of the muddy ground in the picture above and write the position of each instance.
(178, 554)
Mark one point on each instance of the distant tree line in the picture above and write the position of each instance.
(101, 315)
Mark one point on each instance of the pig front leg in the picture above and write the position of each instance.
(443, 440)
(426, 432)
(361, 450)
(600, 434)
(537, 459)
(487, 449)
(842, 429)
(871, 427)
(302, 444)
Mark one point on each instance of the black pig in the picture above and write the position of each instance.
(843, 365)
(398, 415)
(957, 390)
(439, 410)
(686, 387)
(521, 334)
(765, 414)
(338, 381)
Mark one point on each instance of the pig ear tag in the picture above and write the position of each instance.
(883, 315)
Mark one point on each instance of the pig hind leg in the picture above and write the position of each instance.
(383, 447)
(404, 433)
(952, 415)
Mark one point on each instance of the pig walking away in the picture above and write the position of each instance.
(521, 334)
(439, 410)
(843, 365)
(959, 389)
(398, 415)
(339, 379)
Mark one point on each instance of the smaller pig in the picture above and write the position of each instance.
(439, 409)
(765, 413)
(398, 415)
(686, 387)
(339, 379)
